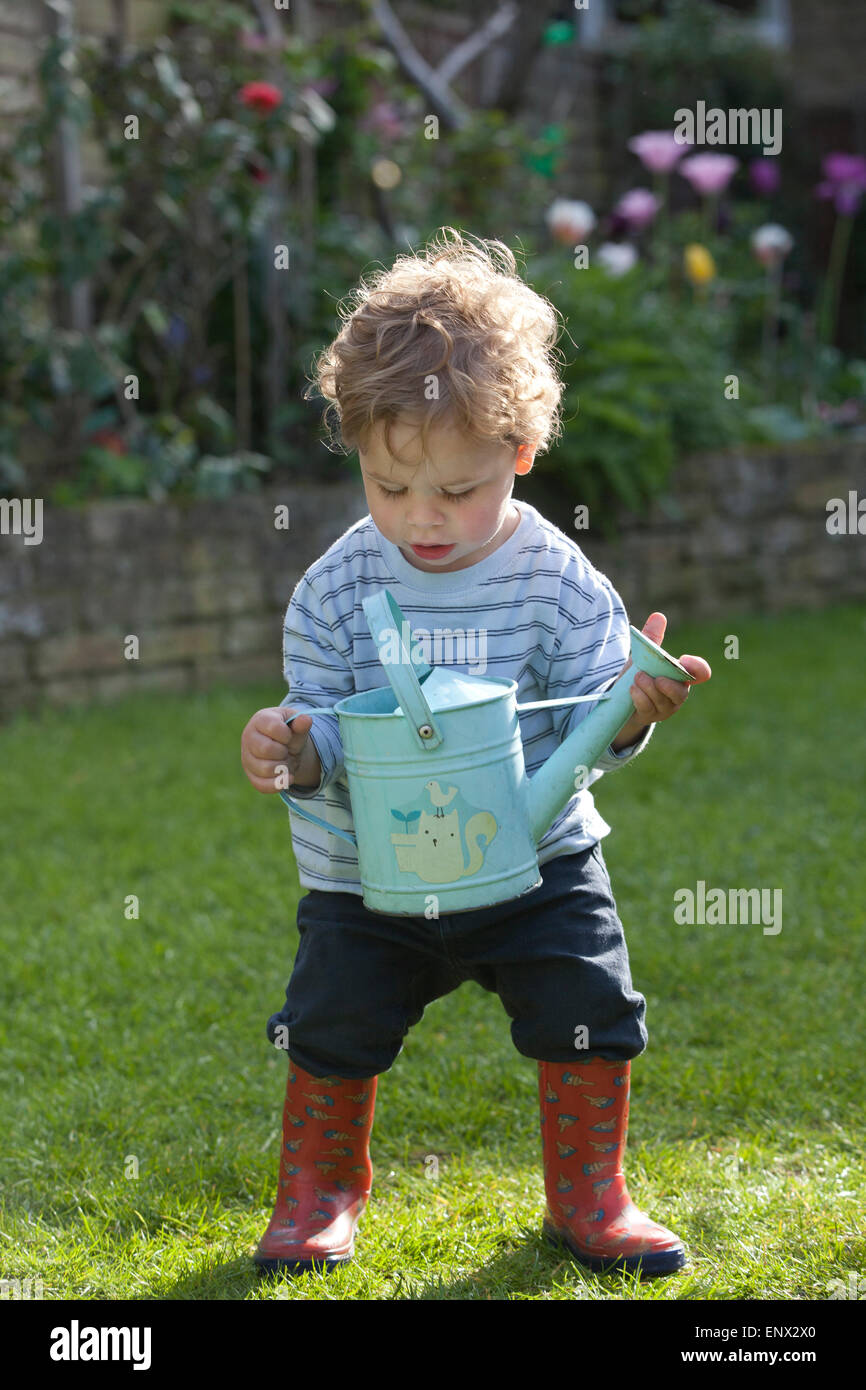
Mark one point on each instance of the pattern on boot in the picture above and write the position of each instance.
(588, 1205)
(321, 1192)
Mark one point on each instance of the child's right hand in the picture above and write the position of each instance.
(269, 744)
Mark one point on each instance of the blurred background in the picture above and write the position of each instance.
(187, 191)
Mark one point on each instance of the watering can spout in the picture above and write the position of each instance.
(566, 770)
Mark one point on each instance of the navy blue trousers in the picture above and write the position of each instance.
(556, 956)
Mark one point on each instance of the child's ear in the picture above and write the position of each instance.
(525, 457)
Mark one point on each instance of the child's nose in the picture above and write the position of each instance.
(424, 511)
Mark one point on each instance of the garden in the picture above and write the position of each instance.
(234, 209)
(181, 215)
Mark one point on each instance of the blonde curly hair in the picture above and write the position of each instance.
(460, 316)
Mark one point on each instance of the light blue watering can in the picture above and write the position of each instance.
(446, 818)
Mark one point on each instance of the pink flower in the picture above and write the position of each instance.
(324, 86)
(844, 181)
(709, 173)
(384, 119)
(253, 41)
(845, 414)
(657, 150)
(637, 208)
(764, 176)
(260, 96)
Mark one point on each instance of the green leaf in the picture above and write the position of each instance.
(170, 210)
(155, 317)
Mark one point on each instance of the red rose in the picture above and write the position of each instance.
(109, 439)
(261, 96)
(257, 170)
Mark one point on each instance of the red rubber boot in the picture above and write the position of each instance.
(584, 1121)
(325, 1173)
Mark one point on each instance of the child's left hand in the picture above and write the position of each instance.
(657, 698)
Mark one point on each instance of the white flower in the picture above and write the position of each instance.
(570, 222)
(771, 243)
(616, 257)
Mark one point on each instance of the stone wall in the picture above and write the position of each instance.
(752, 538)
(204, 585)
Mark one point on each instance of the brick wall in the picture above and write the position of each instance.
(204, 585)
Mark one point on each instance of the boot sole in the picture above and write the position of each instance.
(322, 1264)
(651, 1265)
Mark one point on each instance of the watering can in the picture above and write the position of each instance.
(446, 818)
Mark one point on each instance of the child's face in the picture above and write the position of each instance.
(461, 498)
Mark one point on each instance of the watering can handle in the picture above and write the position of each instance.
(406, 674)
(566, 700)
(308, 815)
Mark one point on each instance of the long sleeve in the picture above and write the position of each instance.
(591, 650)
(317, 675)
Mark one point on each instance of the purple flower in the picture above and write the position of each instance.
(383, 118)
(709, 173)
(844, 181)
(844, 414)
(252, 41)
(657, 150)
(176, 334)
(765, 177)
(617, 226)
(637, 208)
(324, 86)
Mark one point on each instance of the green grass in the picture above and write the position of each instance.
(141, 1041)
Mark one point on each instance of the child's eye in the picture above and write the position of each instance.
(453, 496)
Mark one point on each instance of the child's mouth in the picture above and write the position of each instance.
(432, 552)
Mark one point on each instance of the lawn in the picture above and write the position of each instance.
(141, 1100)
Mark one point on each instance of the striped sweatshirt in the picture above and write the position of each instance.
(535, 611)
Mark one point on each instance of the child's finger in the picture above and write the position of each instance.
(266, 749)
(297, 732)
(265, 769)
(650, 700)
(642, 702)
(699, 669)
(675, 691)
(272, 725)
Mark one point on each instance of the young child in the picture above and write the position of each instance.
(443, 378)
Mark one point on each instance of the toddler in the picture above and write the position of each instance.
(443, 377)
